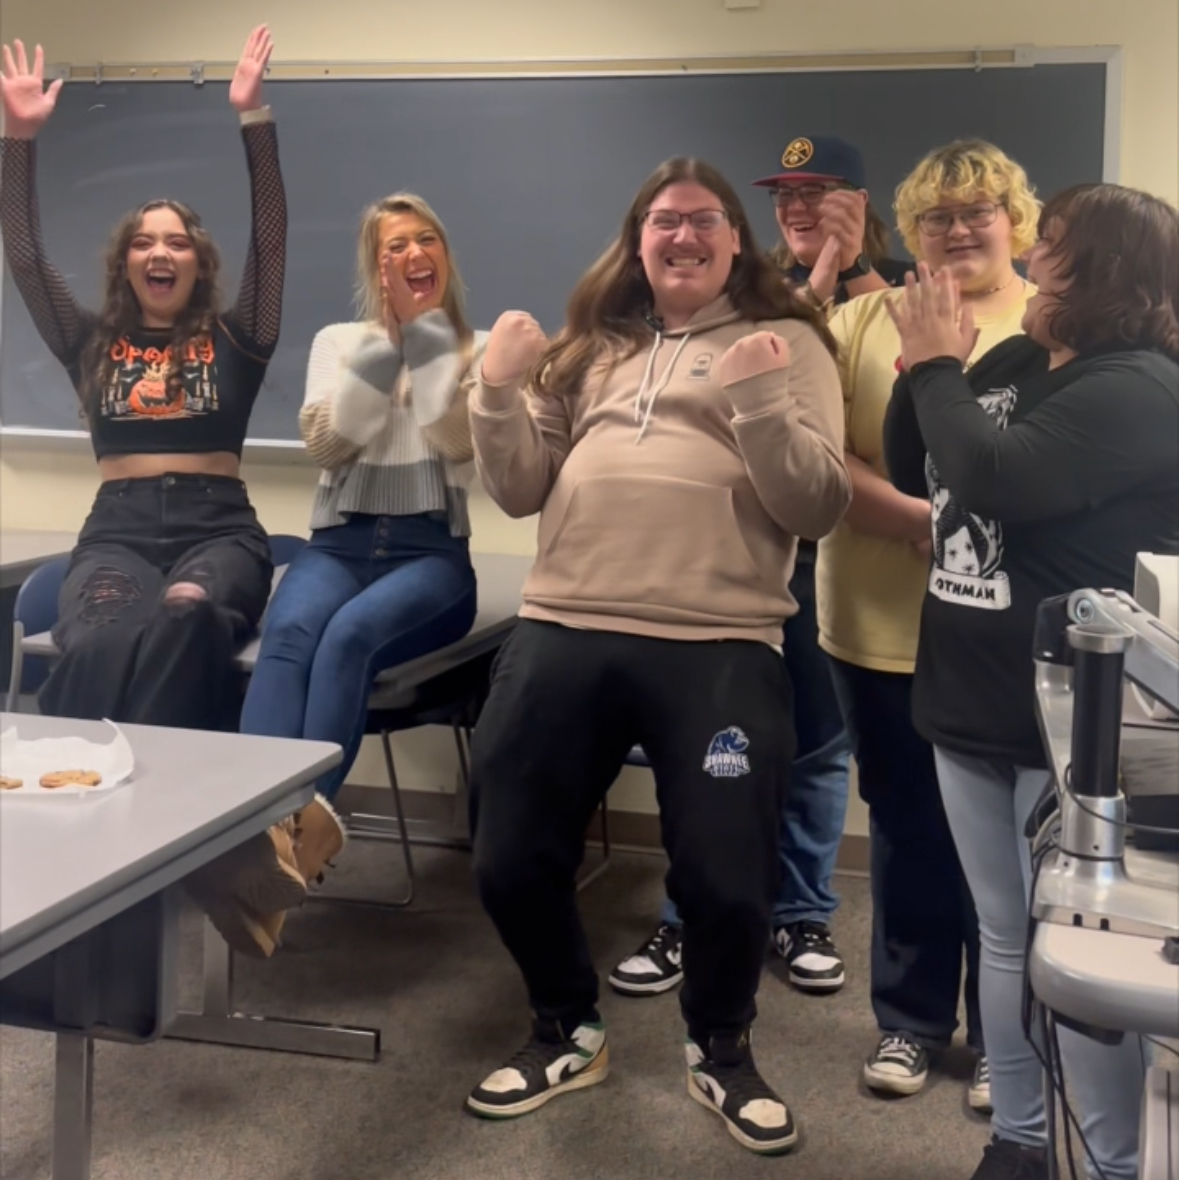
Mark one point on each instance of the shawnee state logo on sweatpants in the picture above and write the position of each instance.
(726, 757)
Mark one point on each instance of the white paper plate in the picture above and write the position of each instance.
(29, 759)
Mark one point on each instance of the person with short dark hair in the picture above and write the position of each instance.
(1050, 465)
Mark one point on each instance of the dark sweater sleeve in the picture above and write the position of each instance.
(256, 318)
(1103, 433)
(904, 448)
(61, 322)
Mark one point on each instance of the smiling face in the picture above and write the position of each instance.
(418, 252)
(687, 267)
(162, 266)
(971, 238)
(798, 207)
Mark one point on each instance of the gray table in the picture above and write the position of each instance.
(23, 550)
(87, 916)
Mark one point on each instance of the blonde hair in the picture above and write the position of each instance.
(962, 171)
(368, 269)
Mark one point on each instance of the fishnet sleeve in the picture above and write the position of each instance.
(258, 312)
(63, 325)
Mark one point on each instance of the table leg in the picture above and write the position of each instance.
(73, 1101)
(218, 1024)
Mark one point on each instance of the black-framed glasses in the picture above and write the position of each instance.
(703, 221)
(808, 194)
(936, 223)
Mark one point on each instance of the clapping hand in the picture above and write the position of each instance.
(245, 91)
(396, 297)
(27, 104)
(932, 319)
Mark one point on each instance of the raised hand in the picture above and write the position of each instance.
(932, 319)
(842, 214)
(514, 346)
(825, 273)
(396, 297)
(245, 91)
(27, 104)
(753, 355)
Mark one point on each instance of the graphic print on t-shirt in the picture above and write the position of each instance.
(968, 550)
(139, 386)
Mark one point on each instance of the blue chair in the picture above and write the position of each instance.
(35, 612)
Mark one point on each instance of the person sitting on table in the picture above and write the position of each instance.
(1051, 462)
(172, 570)
(819, 197)
(677, 437)
(969, 209)
(387, 574)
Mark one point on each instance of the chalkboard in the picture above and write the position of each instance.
(530, 174)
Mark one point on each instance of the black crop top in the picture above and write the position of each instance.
(220, 375)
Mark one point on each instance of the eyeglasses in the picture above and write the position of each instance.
(808, 194)
(703, 221)
(936, 223)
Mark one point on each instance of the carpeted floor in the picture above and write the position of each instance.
(438, 984)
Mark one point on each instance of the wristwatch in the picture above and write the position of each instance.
(858, 269)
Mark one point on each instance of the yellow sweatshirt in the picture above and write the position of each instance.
(670, 504)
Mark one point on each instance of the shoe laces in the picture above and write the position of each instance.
(982, 1071)
(537, 1055)
(665, 939)
(899, 1049)
(813, 936)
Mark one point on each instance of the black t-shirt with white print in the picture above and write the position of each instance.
(1041, 482)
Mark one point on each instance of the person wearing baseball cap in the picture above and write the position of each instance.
(820, 196)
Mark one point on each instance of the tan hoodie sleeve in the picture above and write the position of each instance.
(520, 444)
(789, 426)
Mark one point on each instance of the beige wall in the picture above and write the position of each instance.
(53, 489)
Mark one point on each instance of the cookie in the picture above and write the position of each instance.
(70, 778)
(10, 784)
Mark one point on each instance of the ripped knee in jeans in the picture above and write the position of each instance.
(184, 594)
(106, 593)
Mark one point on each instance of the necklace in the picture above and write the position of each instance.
(996, 290)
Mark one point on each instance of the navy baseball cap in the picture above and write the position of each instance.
(818, 157)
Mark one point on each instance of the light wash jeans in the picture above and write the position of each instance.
(988, 804)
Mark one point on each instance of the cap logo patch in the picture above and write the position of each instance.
(798, 152)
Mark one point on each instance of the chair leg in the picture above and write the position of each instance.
(402, 827)
(604, 864)
(462, 743)
(18, 667)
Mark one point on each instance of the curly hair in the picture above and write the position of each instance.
(1118, 248)
(121, 312)
(607, 310)
(963, 171)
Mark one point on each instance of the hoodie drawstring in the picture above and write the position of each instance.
(643, 415)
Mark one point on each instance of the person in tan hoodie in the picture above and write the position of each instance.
(677, 437)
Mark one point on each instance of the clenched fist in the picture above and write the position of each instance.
(752, 356)
(514, 346)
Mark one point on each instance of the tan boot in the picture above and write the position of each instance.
(319, 836)
(246, 892)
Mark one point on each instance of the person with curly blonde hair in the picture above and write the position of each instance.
(966, 209)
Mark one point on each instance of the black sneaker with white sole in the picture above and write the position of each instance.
(550, 1064)
(811, 955)
(657, 966)
(724, 1079)
(897, 1066)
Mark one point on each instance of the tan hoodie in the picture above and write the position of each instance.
(670, 504)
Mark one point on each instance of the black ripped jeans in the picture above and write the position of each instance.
(129, 655)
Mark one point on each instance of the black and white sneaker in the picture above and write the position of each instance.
(810, 953)
(725, 1080)
(897, 1066)
(657, 966)
(548, 1065)
(978, 1095)
(1004, 1160)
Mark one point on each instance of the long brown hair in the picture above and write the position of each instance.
(607, 308)
(1120, 248)
(120, 312)
(875, 242)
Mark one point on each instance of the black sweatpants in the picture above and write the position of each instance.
(715, 720)
(126, 654)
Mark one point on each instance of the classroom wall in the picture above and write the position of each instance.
(54, 487)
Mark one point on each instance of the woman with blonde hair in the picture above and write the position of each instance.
(966, 209)
(677, 438)
(387, 575)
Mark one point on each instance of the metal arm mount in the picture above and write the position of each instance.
(1086, 644)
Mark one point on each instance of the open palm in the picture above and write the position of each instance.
(245, 91)
(27, 104)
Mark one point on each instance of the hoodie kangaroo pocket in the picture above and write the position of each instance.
(647, 545)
